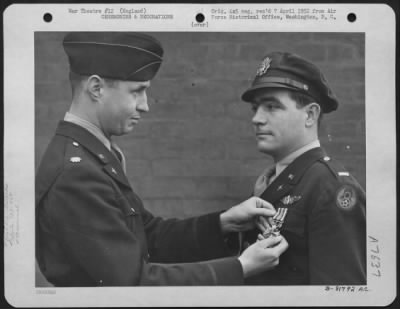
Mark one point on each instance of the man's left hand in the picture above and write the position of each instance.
(249, 214)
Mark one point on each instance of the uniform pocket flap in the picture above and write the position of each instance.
(295, 222)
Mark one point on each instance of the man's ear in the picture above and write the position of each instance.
(313, 111)
(94, 87)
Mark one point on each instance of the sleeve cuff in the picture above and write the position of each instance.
(228, 271)
(210, 237)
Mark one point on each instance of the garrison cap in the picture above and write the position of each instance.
(290, 71)
(123, 56)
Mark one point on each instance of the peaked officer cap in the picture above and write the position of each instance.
(116, 55)
(290, 71)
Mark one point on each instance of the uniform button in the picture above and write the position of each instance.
(326, 158)
(75, 159)
(101, 281)
(75, 144)
(146, 258)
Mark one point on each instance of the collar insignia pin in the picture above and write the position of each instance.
(289, 200)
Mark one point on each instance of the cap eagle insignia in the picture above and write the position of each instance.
(264, 66)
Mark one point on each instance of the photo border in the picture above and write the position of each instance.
(381, 159)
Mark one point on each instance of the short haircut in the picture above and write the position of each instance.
(303, 99)
(77, 79)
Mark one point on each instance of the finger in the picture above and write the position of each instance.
(260, 227)
(281, 246)
(260, 237)
(260, 203)
(265, 222)
(257, 201)
(264, 212)
(270, 221)
(262, 223)
(271, 241)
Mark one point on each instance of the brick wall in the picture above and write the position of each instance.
(195, 152)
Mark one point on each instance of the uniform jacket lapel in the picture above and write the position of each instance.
(291, 175)
(110, 163)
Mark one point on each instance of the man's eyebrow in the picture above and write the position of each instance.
(140, 87)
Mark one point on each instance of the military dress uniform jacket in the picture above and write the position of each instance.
(324, 226)
(92, 229)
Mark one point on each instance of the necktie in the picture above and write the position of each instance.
(261, 184)
(264, 180)
(119, 154)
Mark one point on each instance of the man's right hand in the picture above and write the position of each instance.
(262, 255)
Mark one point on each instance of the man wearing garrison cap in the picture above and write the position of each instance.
(320, 206)
(91, 227)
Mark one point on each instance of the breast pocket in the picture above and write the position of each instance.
(295, 222)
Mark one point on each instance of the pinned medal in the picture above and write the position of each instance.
(264, 66)
(289, 200)
(346, 197)
(277, 221)
(75, 159)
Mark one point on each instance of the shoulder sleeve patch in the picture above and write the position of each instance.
(346, 197)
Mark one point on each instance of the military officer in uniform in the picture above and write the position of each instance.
(320, 206)
(91, 227)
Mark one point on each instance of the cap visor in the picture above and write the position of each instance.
(248, 95)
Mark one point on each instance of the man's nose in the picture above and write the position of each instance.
(143, 106)
(258, 118)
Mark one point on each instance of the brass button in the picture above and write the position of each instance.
(75, 159)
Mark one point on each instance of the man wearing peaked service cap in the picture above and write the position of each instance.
(320, 206)
(290, 71)
(91, 227)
